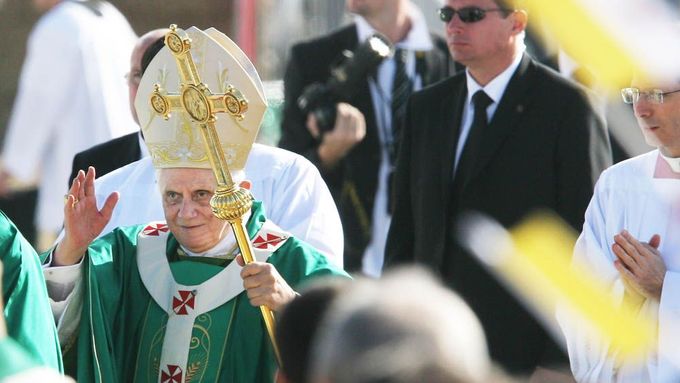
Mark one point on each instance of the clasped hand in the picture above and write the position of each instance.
(640, 264)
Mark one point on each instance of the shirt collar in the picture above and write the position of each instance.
(496, 87)
(417, 39)
(674, 163)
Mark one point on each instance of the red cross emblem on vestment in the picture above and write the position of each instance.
(272, 240)
(173, 375)
(185, 300)
(155, 229)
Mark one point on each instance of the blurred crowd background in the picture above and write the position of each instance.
(264, 29)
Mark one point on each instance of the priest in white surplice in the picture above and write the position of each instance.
(72, 95)
(631, 239)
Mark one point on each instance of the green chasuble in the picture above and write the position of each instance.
(14, 359)
(123, 336)
(16, 365)
(27, 310)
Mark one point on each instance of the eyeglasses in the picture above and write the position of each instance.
(632, 95)
(467, 14)
(133, 77)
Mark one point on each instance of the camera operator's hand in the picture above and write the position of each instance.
(349, 130)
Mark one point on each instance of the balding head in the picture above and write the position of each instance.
(404, 327)
(135, 74)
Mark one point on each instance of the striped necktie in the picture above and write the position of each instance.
(402, 86)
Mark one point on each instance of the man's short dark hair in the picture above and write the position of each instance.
(151, 52)
(510, 4)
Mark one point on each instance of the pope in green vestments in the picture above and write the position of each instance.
(167, 301)
(27, 311)
(156, 308)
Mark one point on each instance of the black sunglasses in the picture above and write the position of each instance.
(467, 14)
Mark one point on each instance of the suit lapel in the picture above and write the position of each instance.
(511, 106)
(450, 129)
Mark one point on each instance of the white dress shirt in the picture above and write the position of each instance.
(417, 39)
(494, 89)
(72, 95)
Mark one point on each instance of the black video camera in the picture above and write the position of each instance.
(321, 99)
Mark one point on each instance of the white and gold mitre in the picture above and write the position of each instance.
(216, 79)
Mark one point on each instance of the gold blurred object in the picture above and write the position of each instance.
(544, 244)
(613, 39)
(230, 201)
(534, 259)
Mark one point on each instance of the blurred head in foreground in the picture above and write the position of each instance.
(297, 326)
(402, 328)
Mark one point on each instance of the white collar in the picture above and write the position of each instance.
(496, 87)
(417, 39)
(674, 163)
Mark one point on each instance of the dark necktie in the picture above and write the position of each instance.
(401, 90)
(480, 101)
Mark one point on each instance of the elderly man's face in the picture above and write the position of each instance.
(186, 197)
(660, 123)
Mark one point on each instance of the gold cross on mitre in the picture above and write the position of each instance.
(213, 77)
(197, 75)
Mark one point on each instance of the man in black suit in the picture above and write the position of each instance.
(357, 156)
(531, 140)
(118, 152)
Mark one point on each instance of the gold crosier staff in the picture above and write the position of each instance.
(230, 201)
